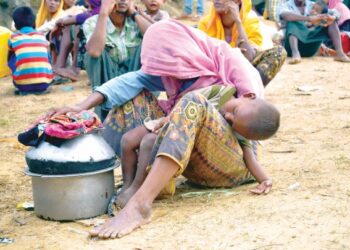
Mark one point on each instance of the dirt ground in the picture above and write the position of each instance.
(308, 159)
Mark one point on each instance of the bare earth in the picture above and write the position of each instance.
(310, 152)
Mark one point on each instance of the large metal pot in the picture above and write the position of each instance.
(72, 197)
(86, 153)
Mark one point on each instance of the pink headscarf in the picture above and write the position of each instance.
(175, 52)
(341, 8)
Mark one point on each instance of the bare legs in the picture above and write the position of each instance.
(334, 34)
(133, 165)
(293, 42)
(66, 47)
(138, 210)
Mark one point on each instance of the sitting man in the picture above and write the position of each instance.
(113, 42)
(302, 41)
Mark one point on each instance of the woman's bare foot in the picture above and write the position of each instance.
(125, 196)
(134, 215)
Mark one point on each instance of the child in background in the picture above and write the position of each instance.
(321, 8)
(73, 40)
(253, 118)
(28, 56)
(153, 10)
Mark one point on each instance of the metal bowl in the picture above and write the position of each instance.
(72, 197)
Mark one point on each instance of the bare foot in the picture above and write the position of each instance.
(67, 73)
(125, 196)
(295, 60)
(134, 215)
(342, 58)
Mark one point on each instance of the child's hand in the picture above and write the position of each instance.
(263, 188)
(160, 125)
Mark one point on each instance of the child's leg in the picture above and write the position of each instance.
(144, 157)
(130, 142)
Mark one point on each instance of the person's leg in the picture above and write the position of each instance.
(138, 210)
(334, 34)
(130, 142)
(293, 42)
(65, 48)
(143, 160)
(200, 8)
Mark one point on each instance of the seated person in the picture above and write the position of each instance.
(49, 12)
(137, 144)
(73, 40)
(113, 42)
(153, 10)
(28, 54)
(234, 22)
(300, 41)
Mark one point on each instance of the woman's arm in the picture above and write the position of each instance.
(69, 20)
(91, 101)
(243, 41)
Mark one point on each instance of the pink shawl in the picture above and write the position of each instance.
(341, 8)
(175, 51)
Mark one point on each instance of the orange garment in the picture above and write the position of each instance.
(212, 25)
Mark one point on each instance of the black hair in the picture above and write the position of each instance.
(266, 120)
(23, 17)
(323, 5)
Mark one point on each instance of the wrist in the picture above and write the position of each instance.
(134, 14)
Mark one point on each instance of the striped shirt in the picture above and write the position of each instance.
(32, 60)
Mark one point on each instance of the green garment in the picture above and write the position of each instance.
(102, 69)
(309, 40)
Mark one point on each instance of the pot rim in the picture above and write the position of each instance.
(28, 173)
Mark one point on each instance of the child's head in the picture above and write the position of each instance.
(23, 17)
(254, 119)
(319, 7)
(153, 6)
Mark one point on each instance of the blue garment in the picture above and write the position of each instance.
(124, 88)
(188, 7)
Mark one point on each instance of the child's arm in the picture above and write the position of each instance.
(257, 171)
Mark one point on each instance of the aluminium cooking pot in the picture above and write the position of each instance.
(86, 153)
(72, 197)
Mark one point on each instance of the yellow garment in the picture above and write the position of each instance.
(4, 37)
(212, 25)
(43, 14)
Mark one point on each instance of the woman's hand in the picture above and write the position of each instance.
(233, 8)
(63, 110)
(160, 124)
(263, 188)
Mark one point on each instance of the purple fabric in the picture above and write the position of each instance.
(95, 9)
